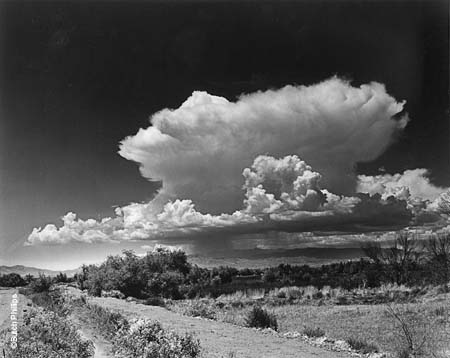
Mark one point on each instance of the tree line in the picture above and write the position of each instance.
(168, 274)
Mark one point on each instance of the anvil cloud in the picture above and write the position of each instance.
(275, 160)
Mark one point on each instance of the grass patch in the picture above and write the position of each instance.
(313, 332)
(198, 308)
(362, 345)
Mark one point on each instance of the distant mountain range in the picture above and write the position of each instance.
(250, 258)
(25, 270)
(258, 258)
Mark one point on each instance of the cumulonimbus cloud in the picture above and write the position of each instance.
(199, 150)
(275, 160)
(280, 194)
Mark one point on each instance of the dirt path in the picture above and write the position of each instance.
(6, 296)
(219, 339)
(87, 330)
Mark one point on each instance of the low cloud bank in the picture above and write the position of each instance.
(280, 195)
(279, 160)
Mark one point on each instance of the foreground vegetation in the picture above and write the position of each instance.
(48, 331)
(140, 338)
(420, 325)
(396, 300)
(49, 334)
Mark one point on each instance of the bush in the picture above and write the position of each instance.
(141, 338)
(200, 309)
(260, 318)
(11, 280)
(44, 334)
(313, 332)
(108, 322)
(148, 339)
(61, 278)
(362, 346)
(41, 284)
(155, 301)
(418, 333)
(318, 295)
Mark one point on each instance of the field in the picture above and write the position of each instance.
(161, 306)
(6, 295)
(226, 335)
(427, 316)
(221, 339)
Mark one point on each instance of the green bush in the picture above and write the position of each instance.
(362, 346)
(260, 318)
(313, 332)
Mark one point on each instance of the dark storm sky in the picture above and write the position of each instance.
(76, 78)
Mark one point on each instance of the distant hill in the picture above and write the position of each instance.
(25, 270)
(259, 258)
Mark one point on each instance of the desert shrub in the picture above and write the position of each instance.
(61, 278)
(318, 295)
(260, 318)
(112, 293)
(147, 339)
(52, 301)
(11, 280)
(313, 332)
(108, 322)
(44, 334)
(141, 338)
(417, 334)
(361, 345)
(155, 301)
(200, 309)
(41, 283)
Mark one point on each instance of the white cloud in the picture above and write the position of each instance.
(278, 192)
(410, 185)
(77, 230)
(199, 150)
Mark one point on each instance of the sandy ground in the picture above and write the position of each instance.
(219, 339)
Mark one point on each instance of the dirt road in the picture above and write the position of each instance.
(6, 296)
(102, 348)
(219, 339)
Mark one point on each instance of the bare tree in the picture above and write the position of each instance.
(438, 249)
(400, 257)
(373, 251)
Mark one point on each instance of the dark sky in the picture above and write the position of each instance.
(76, 78)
